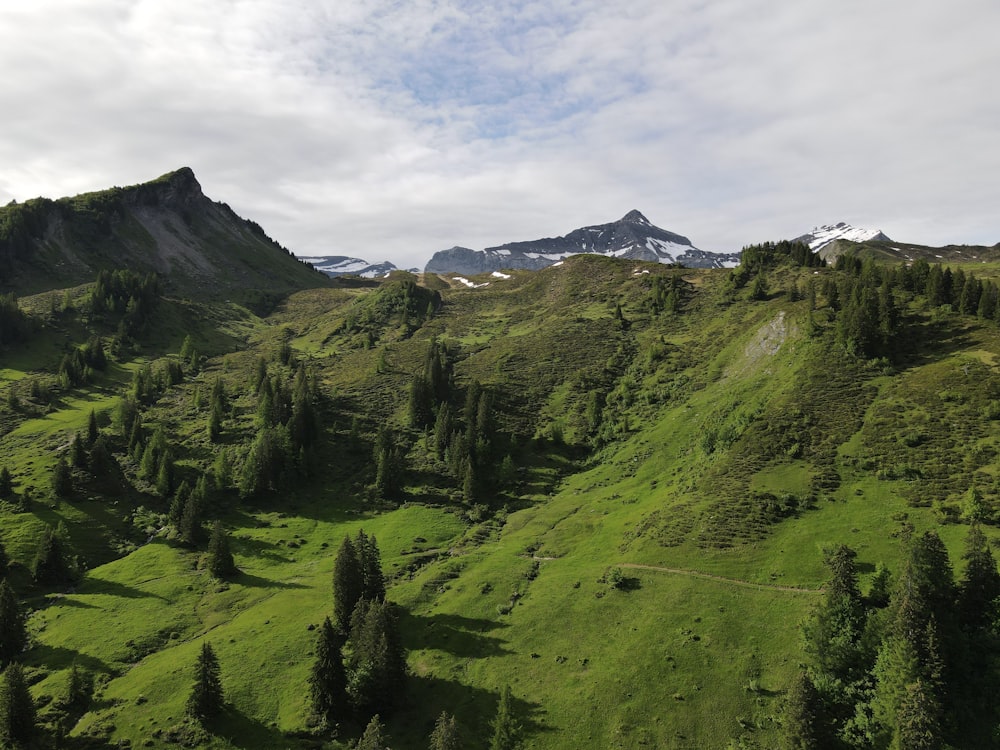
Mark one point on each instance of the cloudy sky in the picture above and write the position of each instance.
(389, 129)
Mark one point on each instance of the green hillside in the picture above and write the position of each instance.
(612, 486)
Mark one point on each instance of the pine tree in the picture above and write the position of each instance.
(979, 589)
(918, 721)
(206, 699)
(6, 483)
(93, 431)
(50, 565)
(801, 715)
(62, 479)
(327, 679)
(506, 728)
(13, 636)
(348, 584)
(79, 688)
(833, 634)
(370, 560)
(78, 452)
(377, 664)
(374, 737)
(17, 709)
(445, 735)
(220, 558)
(190, 529)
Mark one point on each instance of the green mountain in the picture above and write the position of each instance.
(167, 226)
(665, 507)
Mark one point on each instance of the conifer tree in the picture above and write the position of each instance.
(78, 452)
(370, 560)
(190, 529)
(13, 636)
(62, 479)
(445, 735)
(165, 475)
(93, 431)
(220, 558)
(50, 565)
(327, 679)
(377, 665)
(918, 721)
(348, 584)
(506, 727)
(801, 715)
(79, 688)
(6, 483)
(4, 561)
(374, 737)
(17, 709)
(979, 589)
(206, 699)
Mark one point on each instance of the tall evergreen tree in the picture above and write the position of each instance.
(377, 664)
(348, 584)
(327, 679)
(506, 728)
(13, 636)
(50, 565)
(979, 589)
(374, 737)
(93, 430)
(833, 634)
(6, 483)
(220, 558)
(799, 726)
(17, 709)
(372, 580)
(206, 699)
(918, 720)
(445, 735)
(62, 479)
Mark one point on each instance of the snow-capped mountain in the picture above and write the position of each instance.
(633, 237)
(820, 237)
(341, 265)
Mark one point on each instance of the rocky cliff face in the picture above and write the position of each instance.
(167, 226)
(633, 237)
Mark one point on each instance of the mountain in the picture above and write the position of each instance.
(614, 489)
(820, 237)
(342, 265)
(632, 237)
(168, 225)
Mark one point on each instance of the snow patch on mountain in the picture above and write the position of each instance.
(340, 265)
(821, 236)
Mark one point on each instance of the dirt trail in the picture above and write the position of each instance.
(711, 577)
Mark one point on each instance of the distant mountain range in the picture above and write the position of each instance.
(342, 265)
(633, 237)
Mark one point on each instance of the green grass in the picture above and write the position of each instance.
(697, 648)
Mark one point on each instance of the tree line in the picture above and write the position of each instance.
(913, 664)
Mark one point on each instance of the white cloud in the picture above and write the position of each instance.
(390, 130)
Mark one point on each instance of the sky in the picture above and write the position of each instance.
(390, 129)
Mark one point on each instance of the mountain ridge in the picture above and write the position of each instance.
(167, 226)
(633, 237)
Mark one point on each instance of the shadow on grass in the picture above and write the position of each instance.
(111, 588)
(474, 708)
(247, 579)
(460, 636)
(60, 657)
(244, 732)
